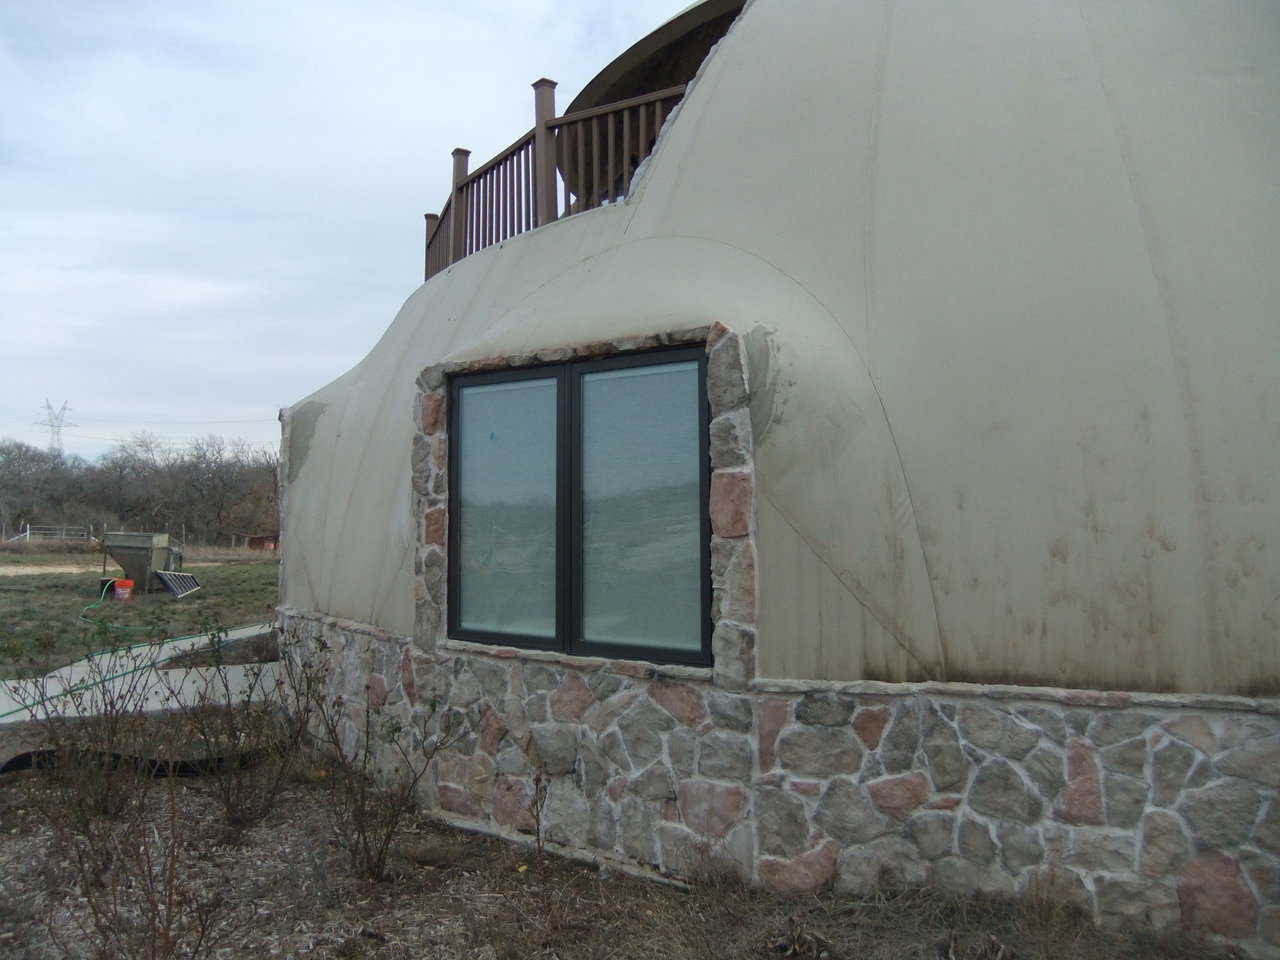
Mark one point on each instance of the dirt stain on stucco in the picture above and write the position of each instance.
(762, 381)
(302, 430)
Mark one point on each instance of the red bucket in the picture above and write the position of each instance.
(124, 589)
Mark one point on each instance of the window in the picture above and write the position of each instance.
(578, 507)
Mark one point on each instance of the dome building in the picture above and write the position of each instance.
(846, 428)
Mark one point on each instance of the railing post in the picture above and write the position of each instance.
(458, 235)
(433, 224)
(544, 160)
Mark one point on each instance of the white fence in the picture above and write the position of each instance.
(53, 531)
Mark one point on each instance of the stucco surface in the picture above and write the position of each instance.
(1007, 275)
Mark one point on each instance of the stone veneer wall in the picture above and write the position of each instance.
(1149, 809)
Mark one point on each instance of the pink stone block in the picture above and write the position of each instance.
(432, 412)
(376, 688)
(731, 496)
(771, 717)
(1214, 895)
(571, 699)
(711, 809)
(435, 526)
(869, 725)
(492, 730)
(511, 803)
(681, 700)
(805, 873)
(1081, 799)
(898, 796)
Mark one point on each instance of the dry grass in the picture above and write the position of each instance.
(196, 553)
(286, 891)
(39, 614)
(46, 552)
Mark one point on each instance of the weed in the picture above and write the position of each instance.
(375, 757)
(537, 801)
(243, 725)
(143, 905)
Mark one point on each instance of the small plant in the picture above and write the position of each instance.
(91, 728)
(145, 904)
(537, 802)
(375, 759)
(243, 725)
(124, 841)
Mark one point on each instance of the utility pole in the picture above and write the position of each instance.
(55, 421)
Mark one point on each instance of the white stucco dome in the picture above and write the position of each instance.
(1010, 278)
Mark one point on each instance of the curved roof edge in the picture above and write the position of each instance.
(679, 26)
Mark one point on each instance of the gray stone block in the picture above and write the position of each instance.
(730, 711)
(1045, 768)
(637, 820)
(1165, 845)
(1020, 847)
(889, 863)
(641, 728)
(1110, 727)
(998, 791)
(654, 783)
(997, 732)
(725, 756)
(825, 709)
(781, 824)
(557, 747)
(846, 813)
(1050, 722)
(1128, 757)
(819, 751)
(932, 832)
(974, 841)
(1220, 815)
(1125, 799)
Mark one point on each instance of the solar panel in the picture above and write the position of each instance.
(179, 584)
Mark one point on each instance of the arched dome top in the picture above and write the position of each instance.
(667, 57)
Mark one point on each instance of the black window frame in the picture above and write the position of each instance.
(568, 536)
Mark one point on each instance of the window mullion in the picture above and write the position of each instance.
(568, 492)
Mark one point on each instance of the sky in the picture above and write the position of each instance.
(209, 210)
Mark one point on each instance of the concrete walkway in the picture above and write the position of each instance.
(134, 673)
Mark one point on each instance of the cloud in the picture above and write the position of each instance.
(211, 209)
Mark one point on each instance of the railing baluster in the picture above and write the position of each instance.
(595, 162)
(475, 218)
(486, 187)
(517, 177)
(562, 144)
(581, 129)
(658, 116)
(508, 204)
(609, 123)
(626, 152)
(531, 213)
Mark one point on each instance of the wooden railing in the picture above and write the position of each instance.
(564, 165)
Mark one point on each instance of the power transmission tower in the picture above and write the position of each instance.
(55, 421)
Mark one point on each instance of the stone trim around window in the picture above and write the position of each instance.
(732, 505)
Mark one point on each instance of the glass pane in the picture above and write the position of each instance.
(507, 494)
(641, 524)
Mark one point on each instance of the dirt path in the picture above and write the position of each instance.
(31, 569)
